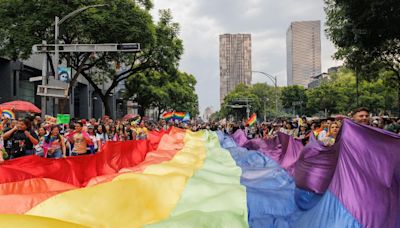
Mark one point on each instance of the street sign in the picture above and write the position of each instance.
(35, 79)
(236, 106)
(52, 91)
(54, 88)
(57, 83)
(129, 46)
(69, 48)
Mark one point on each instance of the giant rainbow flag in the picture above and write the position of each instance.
(207, 179)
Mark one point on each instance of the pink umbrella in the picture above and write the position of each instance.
(129, 116)
(20, 106)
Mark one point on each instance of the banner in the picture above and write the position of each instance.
(64, 74)
(63, 118)
(8, 114)
(50, 120)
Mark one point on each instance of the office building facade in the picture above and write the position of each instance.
(235, 62)
(83, 102)
(303, 52)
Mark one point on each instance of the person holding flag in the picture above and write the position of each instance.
(252, 120)
(249, 124)
(167, 116)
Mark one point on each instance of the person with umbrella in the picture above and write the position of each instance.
(23, 139)
(20, 106)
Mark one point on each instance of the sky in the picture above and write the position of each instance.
(202, 21)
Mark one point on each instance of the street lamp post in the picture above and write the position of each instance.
(296, 103)
(44, 82)
(57, 23)
(275, 81)
(265, 112)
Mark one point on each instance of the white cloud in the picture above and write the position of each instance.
(267, 20)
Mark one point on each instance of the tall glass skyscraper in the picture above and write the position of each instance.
(303, 52)
(235, 62)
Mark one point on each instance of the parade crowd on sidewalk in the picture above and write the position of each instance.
(35, 136)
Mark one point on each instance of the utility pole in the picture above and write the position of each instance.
(276, 96)
(265, 112)
(78, 48)
(247, 110)
(44, 82)
(57, 23)
(56, 53)
(294, 109)
(357, 88)
(274, 80)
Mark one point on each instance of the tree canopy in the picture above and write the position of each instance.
(334, 96)
(163, 91)
(27, 22)
(120, 21)
(338, 96)
(262, 100)
(294, 97)
(367, 36)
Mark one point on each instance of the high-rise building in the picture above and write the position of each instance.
(207, 113)
(303, 52)
(235, 62)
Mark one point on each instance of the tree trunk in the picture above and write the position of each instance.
(160, 111)
(63, 105)
(107, 108)
(398, 92)
(357, 88)
(106, 105)
(142, 111)
(398, 97)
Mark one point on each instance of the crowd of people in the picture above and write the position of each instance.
(324, 129)
(34, 136)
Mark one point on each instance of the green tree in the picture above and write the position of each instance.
(182, 96)
(294, 97)
(237, 97)
(377, 95)
(28, 22)
(163, 91)
(344, 83)
(162, 55)
(338, 96)
(216, 116)
(323, 98)
(267, 95)
(146, 89)
(367, 36)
